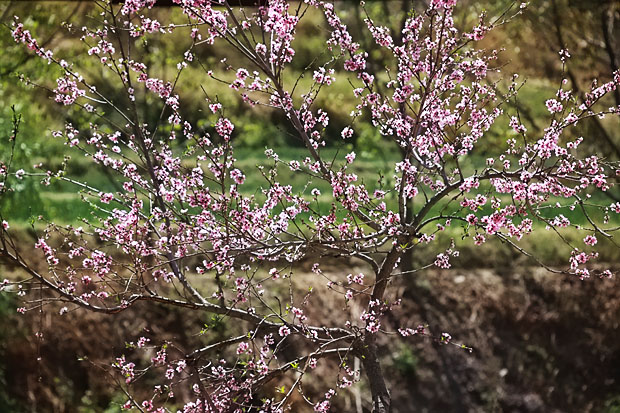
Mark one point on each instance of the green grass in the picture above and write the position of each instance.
(61, 201)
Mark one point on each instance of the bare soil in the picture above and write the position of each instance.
(541, 343)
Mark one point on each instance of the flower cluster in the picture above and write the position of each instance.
(181, 227)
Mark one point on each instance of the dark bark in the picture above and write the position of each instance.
(406, 261)
(607, 23)
(381, 399)
(557, 22)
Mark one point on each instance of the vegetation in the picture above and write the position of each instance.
(177, 292)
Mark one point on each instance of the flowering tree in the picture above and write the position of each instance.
(183, 232)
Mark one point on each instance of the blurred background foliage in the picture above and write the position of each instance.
(589, 29)
(530, 46)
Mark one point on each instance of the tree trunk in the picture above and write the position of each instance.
(406, 261)
(381, 399)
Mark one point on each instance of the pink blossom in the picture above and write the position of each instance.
(553, 106)
(347, 133)
(184, 231)
(106, 198)
(590, 240)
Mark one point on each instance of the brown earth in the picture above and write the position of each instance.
(541, 343)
